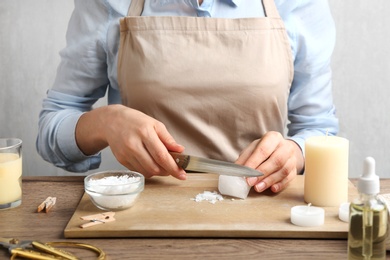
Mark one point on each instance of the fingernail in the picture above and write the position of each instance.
(179, 145)
(260, 187)
(251, 181)
(183, 176)
(275, 188)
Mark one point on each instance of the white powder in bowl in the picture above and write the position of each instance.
(114, 184)
(114, 192)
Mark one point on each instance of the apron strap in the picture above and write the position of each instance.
(270, 9)
(136, 7)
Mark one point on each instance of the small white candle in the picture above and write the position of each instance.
(307, 216)
(344, 212)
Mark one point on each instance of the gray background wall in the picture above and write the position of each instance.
(33, 32)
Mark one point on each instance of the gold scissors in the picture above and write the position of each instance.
(45, 251)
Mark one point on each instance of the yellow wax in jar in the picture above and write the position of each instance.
(326, 171)
(10, 177)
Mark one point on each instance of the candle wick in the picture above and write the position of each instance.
(308, 208)
(326, 135)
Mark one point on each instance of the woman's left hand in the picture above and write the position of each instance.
(279, 159)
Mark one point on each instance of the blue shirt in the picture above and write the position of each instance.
(88, 68)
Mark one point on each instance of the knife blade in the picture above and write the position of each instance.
(205, 165)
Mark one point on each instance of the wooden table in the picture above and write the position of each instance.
(25, 223)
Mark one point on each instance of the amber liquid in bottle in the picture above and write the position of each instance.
(368, 229)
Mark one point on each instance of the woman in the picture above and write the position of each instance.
(218, 78)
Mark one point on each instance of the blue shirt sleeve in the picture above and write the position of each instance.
(311, 30)
(87, 71)
(80, 81)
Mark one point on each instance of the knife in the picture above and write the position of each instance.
(205, 165)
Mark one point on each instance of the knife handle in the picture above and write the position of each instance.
(181, 159)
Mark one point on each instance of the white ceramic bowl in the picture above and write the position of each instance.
(114, 190)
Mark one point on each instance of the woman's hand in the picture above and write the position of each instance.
(279, 159)
(139, 142)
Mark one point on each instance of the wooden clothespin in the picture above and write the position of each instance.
(47, 204)
(97, 219)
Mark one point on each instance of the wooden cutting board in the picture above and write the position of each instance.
(166, 209)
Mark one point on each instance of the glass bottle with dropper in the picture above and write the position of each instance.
(368, 219)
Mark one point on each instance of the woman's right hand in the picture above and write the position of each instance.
(138, 141)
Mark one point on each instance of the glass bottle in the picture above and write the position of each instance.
(368, 218)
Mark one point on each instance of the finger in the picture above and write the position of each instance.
(276, 162)
(277, 187)
(245, 154)
(252, 181)
(266, 147)
(167, 139)
(129, 160)
(258, 155)
(263, 149)
(282, 159)
(159, 154)
(138, 159)
(278, 180)
(151, 164)
(134, 165)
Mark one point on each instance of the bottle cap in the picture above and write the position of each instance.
(369, 181)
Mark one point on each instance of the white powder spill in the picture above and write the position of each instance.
(210, 196)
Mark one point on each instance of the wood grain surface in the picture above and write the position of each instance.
(25, 223)
(166, 209)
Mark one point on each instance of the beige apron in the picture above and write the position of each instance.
(217, 84)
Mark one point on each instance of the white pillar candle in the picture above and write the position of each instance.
(326, 171)
(307, 216)
(344, 212)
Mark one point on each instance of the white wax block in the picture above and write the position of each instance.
(233, 186)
